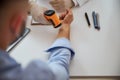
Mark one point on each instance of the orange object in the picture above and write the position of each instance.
(51, 16)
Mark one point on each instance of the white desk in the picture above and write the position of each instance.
(97, 52)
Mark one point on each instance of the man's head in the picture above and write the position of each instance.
(13, 14)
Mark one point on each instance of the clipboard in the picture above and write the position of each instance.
(33, 22)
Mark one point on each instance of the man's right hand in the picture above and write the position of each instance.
(67, 19)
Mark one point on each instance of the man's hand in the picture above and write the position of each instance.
(61, 5)
(37, 13)
(65, 28)
(67, 17)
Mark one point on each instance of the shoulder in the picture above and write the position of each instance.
(38, 70)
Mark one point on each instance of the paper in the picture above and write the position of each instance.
(33, 22)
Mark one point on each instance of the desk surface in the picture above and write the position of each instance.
(97, 52)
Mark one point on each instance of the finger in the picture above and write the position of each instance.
(63, 15)
(66, 12)
(70, 12)
(69, 15)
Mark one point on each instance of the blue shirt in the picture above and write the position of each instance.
(57, 67)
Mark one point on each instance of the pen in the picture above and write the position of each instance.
(95, 20)
(87, 19)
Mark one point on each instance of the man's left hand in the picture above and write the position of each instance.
(61, 5)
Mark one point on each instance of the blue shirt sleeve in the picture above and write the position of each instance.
(61, 54)
(61, 43)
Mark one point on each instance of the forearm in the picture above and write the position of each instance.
(64, 31)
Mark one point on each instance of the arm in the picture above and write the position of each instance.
(64, 32)
(61, 52)
(65, 28)
(58, 63)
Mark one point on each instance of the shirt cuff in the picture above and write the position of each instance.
(61, 43)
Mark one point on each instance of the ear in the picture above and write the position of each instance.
(15, 23)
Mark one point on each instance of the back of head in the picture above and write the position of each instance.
(12, 17)
(9, 7)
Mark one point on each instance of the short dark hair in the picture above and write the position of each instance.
(6, 5)
(6, 2)
(2, 2)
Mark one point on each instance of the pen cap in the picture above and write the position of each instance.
(51, 16)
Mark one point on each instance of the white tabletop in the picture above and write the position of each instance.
(97, 52)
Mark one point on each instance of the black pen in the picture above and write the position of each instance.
(87, 19)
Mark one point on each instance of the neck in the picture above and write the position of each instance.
(3, 45)
(4, 40)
